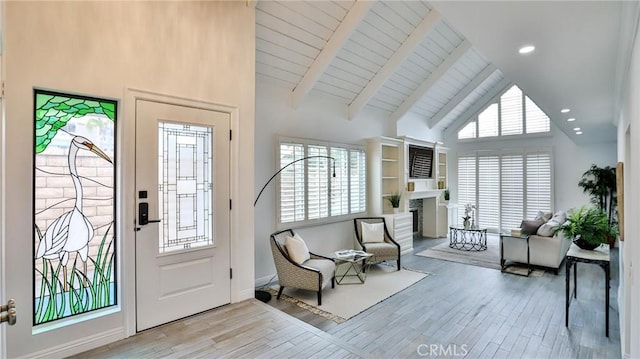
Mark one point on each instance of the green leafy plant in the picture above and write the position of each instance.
(589, 224)
(447, 194)
(394, 199)
(600, 184)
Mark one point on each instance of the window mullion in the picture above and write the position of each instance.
(524, 114)
(499, 118)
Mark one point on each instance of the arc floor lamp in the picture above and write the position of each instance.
(263, 295)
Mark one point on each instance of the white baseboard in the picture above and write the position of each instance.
(80, 345)
(260, 282)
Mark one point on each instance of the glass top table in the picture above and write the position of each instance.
(468, 239)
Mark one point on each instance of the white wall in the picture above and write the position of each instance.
(414, 126)
(197, 50)
(316, 118)
(570, 162)
(629, 154)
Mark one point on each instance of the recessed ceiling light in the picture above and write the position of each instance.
(576, 128)
(571, 119)
(579, 133)
(526, 49)
(565, 110)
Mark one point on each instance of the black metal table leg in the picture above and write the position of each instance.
(567, 284)
(575, 280)
(607, 272)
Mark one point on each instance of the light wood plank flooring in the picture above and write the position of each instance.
(461, 310)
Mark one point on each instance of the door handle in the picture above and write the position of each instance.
(11, 316)
(143, 214)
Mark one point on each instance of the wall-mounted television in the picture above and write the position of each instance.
(420, 162)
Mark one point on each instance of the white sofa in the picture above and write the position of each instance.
(544, 251)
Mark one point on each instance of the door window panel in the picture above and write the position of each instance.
(185, 186)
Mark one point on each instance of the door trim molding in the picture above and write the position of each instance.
(126, 210)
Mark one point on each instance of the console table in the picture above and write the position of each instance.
(468, 239)
(599, 256)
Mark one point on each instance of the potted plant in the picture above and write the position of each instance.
(600, 184)
(588, 227)
(394, 199)
(446, 195)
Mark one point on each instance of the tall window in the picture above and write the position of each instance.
(308, 190)
(505, 187)
(514, 113)
(74, 248)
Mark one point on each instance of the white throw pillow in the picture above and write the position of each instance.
(372, 232)
(559, 217)
(547, 229)
(545, 216)
(297, 249)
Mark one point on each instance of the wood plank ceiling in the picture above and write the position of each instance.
(397, 56)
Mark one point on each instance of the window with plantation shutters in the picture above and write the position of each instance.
(538, 183)
(511, 112)
(466, 183)
(514, 113)
(512, 191)
(488, 207)
(340, 186)
(488, 121)
(537, 120)
(292, 183)
(468, 131)
(357, 180)
(308, 192)
(505, 187)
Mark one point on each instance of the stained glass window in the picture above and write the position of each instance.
(74, 246)
(185, 186)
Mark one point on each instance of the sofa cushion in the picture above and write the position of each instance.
(547, 229)
(530, 226)
(297, 249)
(545, 216)
(559, 217)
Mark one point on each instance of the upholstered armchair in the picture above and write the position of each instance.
(313, 274)
(378, 242)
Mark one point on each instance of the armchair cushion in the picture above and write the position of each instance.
(372, 232)
(296, 248)
(382, 250)
(326, 267)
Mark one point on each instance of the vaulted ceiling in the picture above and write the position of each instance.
(444, 61)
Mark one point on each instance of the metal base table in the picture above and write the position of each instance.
(468, 239)
(599, 256)
(503, 265)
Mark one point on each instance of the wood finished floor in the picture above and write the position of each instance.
(468, 310)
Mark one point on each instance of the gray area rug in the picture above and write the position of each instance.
(489, 258)
(347, 300)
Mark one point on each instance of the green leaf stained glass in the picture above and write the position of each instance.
(53, 112)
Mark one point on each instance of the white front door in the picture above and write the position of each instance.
(182, 182)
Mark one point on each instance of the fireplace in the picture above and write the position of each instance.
(415, 207)
(416, 220)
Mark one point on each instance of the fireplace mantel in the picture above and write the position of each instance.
(425, 194)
